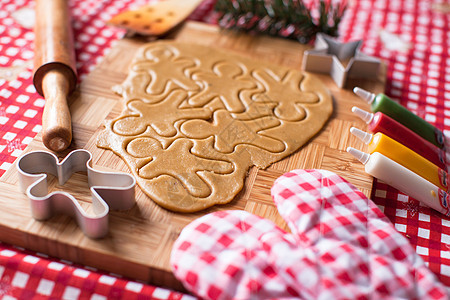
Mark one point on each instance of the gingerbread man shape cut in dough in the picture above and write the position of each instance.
(158, 162)
(161, 116)
(285, 91)
(155, 62)
(229, 132)
(229, 94)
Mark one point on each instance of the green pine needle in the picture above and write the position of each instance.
(286, 18)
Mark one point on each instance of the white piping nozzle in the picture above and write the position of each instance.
(359, 155)
(364, 115)
(365, 95)
(363, 136)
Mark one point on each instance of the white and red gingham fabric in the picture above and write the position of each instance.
(341, 246)
(28, 275)
(418, 76)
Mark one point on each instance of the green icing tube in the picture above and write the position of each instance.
(384, 104)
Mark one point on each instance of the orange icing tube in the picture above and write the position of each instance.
(392, 149)
(403, 179)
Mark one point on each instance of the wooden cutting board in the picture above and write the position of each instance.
(140, 240)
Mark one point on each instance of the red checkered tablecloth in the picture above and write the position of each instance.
(411, 36)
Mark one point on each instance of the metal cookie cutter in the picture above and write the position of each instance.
(329, 56)
(109, 189)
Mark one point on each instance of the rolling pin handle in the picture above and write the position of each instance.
(56, 119)
(55, 70)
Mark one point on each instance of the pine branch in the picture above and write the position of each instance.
(286, 18)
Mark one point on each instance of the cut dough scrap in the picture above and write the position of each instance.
(195, 119)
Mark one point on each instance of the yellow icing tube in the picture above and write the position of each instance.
(392, 149)
(403, 179)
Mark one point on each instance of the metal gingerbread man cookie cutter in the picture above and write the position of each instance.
(110, 190)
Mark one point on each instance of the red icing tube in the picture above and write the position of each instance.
(379, 122)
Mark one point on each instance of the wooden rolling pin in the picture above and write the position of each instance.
(54, 70)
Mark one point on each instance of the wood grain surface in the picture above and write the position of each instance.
(140, 240)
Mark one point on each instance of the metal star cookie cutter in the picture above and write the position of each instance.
(110, 190)
(330, 56)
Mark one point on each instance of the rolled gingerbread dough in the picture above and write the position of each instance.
(196, 119)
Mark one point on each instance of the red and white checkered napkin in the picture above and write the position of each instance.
(341, 247)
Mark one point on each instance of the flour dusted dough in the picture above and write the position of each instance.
(196, 119)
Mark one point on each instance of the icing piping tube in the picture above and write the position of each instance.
(392, 149)
(404, 180)
(382, 103)
(379, 122)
